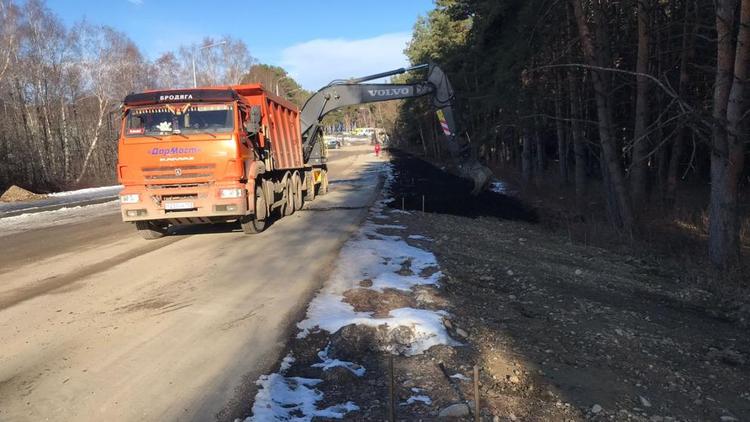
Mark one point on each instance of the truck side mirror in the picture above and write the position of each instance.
(252, 125)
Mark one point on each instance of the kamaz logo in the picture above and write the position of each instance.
(176, 97)
(389, 92)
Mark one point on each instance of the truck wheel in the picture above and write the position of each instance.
(149, 230)
(256, 223)
(289, 192)
(310, 183)
(297, 181)
(323, 188)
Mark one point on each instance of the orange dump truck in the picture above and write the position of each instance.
(211, 155)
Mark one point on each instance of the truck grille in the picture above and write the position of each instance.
(163, 173)
(180, 197)
(178, 185)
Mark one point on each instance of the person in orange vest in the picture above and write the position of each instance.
(377, 149)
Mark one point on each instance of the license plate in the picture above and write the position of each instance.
(178, 205)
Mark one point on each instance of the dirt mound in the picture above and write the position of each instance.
(15, 194)
(352, 341)
(366, 300)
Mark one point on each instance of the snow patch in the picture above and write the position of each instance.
(419, 237)
(38, 220)
(461, 377)
(328, 363)
(93, 192)
(401, 282)
(286, 363)
(420, 398)
(500, 187)
(283, 398)
(391, 226)
(372, 255)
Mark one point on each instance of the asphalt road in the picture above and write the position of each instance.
(99, 324)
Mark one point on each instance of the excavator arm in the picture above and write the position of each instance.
(339, 94)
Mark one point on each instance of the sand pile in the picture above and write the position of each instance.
(15, 193)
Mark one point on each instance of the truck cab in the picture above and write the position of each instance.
(183, 157)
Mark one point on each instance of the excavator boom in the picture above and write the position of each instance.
(342, 93)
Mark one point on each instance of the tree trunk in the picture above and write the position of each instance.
(639, 165)
(679, 143)
(622, 213)
(727, 155)
(579, 147)
(576, 132)
(526, 156)
(28, 129)
(65, 140)
(10, 41)
(540, 157)
(562, 141)
(102, 109)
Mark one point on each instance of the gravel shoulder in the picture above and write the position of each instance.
(560, 331)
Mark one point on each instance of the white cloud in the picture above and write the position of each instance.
(136, 2)
(316, 62)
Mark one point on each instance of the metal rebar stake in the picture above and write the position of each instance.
(476, 393)
(391, 391)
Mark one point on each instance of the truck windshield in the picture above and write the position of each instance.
(167, 119)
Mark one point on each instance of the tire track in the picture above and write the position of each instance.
(50, 284)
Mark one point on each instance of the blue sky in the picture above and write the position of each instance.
(316, 41)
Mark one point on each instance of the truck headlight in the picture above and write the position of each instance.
(230, 193)
(132, 198)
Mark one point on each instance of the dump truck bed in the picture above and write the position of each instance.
(280, 125)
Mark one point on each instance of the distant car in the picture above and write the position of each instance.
(333, 144)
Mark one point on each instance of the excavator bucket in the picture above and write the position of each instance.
(469, 167)
(477, 173)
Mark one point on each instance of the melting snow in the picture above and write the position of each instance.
(391, 226)
(90, 192)
(286, 363)
(419, 237)
(498, 187)
(421, 398)
(461, 377)
(19, 223)
(283, 398)
(378, 257)
(72, 207)
(328, 363)
(371, 255)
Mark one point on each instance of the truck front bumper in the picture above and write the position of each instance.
(184, 204)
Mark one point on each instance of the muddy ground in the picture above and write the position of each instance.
(560, 331)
